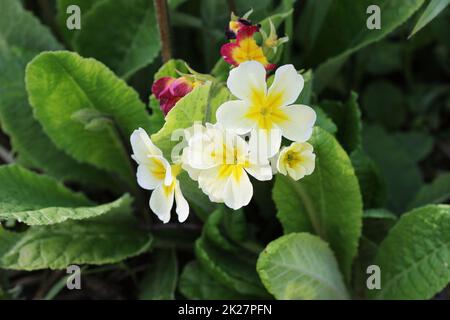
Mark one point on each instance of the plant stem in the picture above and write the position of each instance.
(232, 6)
(163, 26)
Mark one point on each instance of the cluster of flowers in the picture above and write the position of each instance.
(246, 140)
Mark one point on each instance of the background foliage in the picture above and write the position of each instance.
(67, 184)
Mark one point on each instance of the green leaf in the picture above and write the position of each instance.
(188, 110)
(436, 192)
(432, 10)
(415, 256)
(396, 166)
(236, 271)
(171, 69)
(387, 109)
(21, 38)
(381, 58)
(324, 121)
(62, 15)
(301, 266)
(106, 239)
(328, 202)
(197, 284)
(347, 117)
(418, 145)
(39, 200)
(124, 47)
(345, 23)
(62, 83)
(377, 223)
(160, 279)
(371, 183)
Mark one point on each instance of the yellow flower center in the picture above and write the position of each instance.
(157, 169)
(248, 50)
(265, 110)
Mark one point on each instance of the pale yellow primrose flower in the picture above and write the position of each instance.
(220, 161)
(297, 160)
(155, 173)
(267, 114)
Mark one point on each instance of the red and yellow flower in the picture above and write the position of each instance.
(169, 90)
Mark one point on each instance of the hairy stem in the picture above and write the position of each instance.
(163, 26)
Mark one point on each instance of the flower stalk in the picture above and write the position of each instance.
(164, 30)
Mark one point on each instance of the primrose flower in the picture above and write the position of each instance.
(237, 24)
(220, 161)
(267, 113)
(297, 160)
(155, 173)
(169, 90)
(244, 49)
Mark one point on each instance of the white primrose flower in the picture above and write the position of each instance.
(155, 173)
(297, 160)
(267, 113)
(220, 161)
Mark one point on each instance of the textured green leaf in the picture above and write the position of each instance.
(324, 121)
(62, 83)
(372, 185)
(396, 166)
(197, 284)
(188, 110)
(301, 266)
(102, 240)
(345, 23)
(121, 33)
(21, 38)
(415, 257)
(233, 270)
(347, 117)
(62, 15)
(39, 200)
(328, 202)
(432, 10)
(160, 279)
(437, 191)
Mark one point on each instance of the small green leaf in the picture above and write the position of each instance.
(328, 202)
(432, 10)
(197, 284)
(324, 121)
(436, 192)
(301, 266)
(62, 83)
(415, 257)
(124, 47)
(347, 117)
(106, 239)
(371, 183)
(160, 279)
(188, 110)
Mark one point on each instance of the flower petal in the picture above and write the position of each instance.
(145, 178)
(160, 87)
(264, 143)
(232, 115)
(238, 192)
(287, 84)
(142, 146)
(248, 77)
(226, 51)
(301, 121)
(161, 202)
(182, 205)
(262, 172)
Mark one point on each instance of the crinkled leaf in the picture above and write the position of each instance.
(39, 200)
(301, 266)
(415, 257)
(328, 202)
(21, 38)
(101, 240)
(124, 47)
(60, 84)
